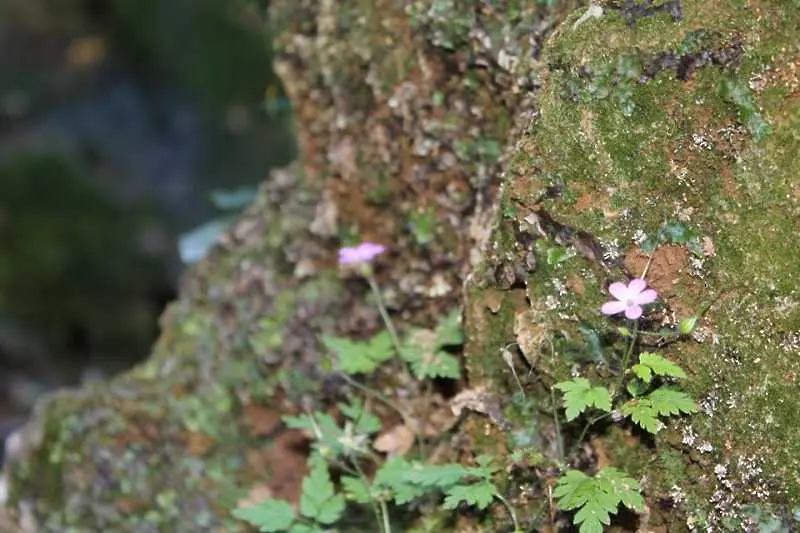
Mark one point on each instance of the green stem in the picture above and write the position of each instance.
(387, 526)
(559, 436)
(375, 394)
(387, 320)
(626, 359)
(657, 333)
(375, 510)
(589, 424)
(510, 510)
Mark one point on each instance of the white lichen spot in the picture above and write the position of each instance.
(705, 447)
(701, 141)
(709, 404)
(639, 236)
(611, 251)
(560, 287)
(689, 436)
(677, 495)
(721, 471)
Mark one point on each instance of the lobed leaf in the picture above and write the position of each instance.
(579, 394)
(478, 494)
(671, 401)
(660, 366)
(318, 500)
(642, 413)
(596, 498)
(450, 331)
(360, 357)
(270, 515)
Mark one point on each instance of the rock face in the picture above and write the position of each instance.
(516, 178)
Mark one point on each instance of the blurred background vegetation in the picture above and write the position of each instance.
(125, 126)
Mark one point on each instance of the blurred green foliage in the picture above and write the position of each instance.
(71, 270)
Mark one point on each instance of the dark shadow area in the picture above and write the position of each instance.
(131, 133)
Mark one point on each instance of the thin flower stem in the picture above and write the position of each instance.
(375, 394)
(655, 248)
(375, 509)
(387, 320)
(586, 427)
(628, 352)
(387, 526)
(510, 510)
(559, 436)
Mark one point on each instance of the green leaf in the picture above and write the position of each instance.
(359, 357)
(318, 500)
(556, 255)
(426, 364)
(625, 332)
(355, 489)
(596, 498)
(687, 325)
(478, 494)
(660, 366)
(643, 372)
(321, 426)
(270, 515)
(450, 331)
(440, 476)
(580, 395)
(664, 401)
(636, 387)
(642, 413)
(391, 476)
(676, 232)
(671, 401)
(365, 422)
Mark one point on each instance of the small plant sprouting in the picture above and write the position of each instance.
(320, 505)
(348, 447)
(579, 395)
(598, 497)
(644, 392)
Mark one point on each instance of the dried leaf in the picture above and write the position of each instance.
(480, 401)
(262, 420)
(530, 335)
(199, 443)
(395, 441)
(257, 494)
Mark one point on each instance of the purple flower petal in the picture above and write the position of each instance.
(633, 312)
(613, 307)
(618, 290)
(347, 256)
(646, 297)
(636, 286)
(363, 253)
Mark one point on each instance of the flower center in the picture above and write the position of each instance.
(629, 303)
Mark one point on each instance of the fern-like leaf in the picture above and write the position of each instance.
(579, 395)
(360, 357)
(651, 363)
(318, 500)
(270, 516)
(478, 494)
(598, 497)
(671, 401)
(642, 413)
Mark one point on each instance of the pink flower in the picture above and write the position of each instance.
(629, 299)
(363, 253)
